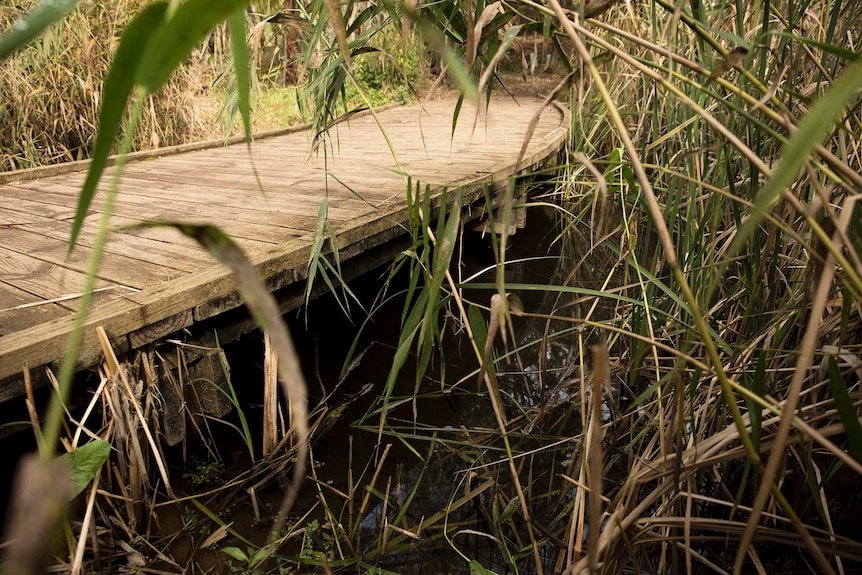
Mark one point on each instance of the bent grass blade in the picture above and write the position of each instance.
(30, 26)
(265, 312)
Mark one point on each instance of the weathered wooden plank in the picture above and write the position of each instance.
(44, 343)
(83, 165)
(160, 329)
(305, 192)
(20, 309)
(138, 208)
(16, 218)
(43, 279)
(217, 186)
(63, 204)
(170, 201)
(181, 257)
(116, 268)
(297, 211)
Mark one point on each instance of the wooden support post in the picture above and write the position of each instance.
(519, 208)
(209, 386)
(173, 398)
(518, 218)
(270, 396)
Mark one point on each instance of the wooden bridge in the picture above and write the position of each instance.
(155, 282)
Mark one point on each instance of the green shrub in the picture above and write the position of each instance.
(392, 65)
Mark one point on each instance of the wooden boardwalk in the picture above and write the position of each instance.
(155, 282)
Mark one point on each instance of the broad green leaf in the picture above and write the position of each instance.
(512, 507)
(241, 68)
(477, 325)
(259, 556)
(846, 410)
(477, 568)
(236, 553)
(173, 41)
(84, 462)
(115, 96)
(28, 27)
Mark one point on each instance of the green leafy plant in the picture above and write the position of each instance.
(250, 559)
(205, 472)
(84, 462)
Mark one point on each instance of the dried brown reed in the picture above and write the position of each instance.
(50, 91)
(733, 389)
(131, 503)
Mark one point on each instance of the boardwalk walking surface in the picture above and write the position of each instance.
(153, 282)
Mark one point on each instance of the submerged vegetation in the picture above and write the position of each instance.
(679, 395)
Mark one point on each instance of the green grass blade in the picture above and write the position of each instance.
(811, 132)
(842, 53)
(241, 68)
(408, 333)
(115, 96)
(25, 29)
(319, 241)
(846, 410)
(447, 232)
(173, 41)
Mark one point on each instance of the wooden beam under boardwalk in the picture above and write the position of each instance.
(154, 282)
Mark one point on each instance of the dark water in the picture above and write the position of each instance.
(324, 336)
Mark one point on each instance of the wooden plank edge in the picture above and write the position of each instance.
(142, 309)
(29, 174)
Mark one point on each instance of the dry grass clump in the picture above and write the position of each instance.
(50, 91)
(138, 513)
(737, 346)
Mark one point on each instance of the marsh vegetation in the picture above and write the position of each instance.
(678, 392)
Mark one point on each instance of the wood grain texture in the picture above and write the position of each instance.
(156, 281)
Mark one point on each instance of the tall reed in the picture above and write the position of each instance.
(751, 409)
(51, 91)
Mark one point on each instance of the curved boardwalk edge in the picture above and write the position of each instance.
(152, 313)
